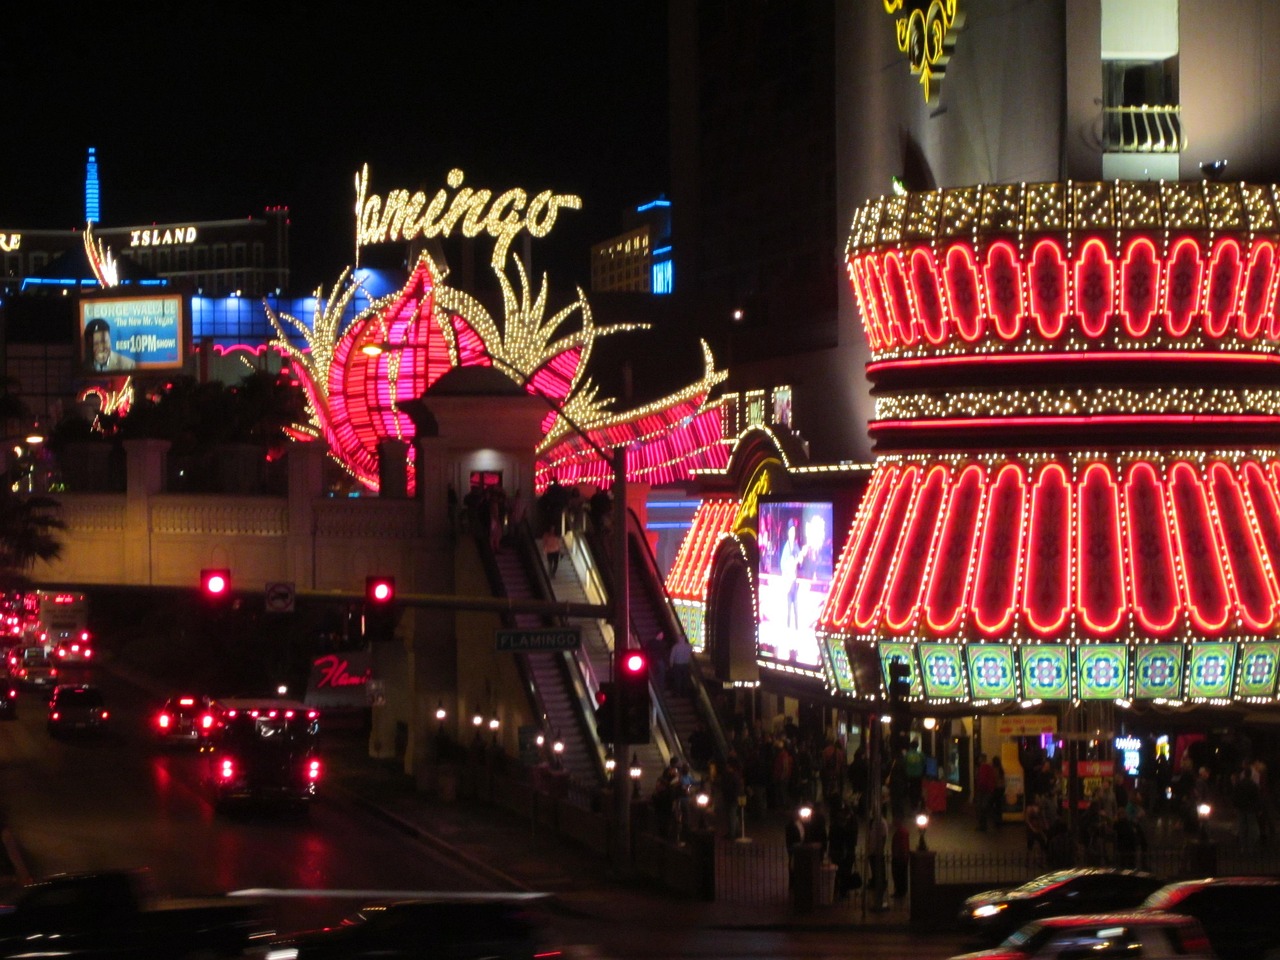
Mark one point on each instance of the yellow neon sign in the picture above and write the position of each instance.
(402, 215)
(926, 34)
(10, 242)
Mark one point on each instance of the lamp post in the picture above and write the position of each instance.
(634, 771)
(922, 821)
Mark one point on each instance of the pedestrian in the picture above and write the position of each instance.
(796, 834)
(898, 786)
(680, 662)
(900, 847)
(1037, 826)
(551, 547)
(913, 762)
(843, 847)
(984, 786)
(1247, 800)
(732, 794)
(877, 837)
(859, 772)
(831, 771)
(1130, 840)
(997, 793)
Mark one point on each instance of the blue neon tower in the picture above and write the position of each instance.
(92, 213)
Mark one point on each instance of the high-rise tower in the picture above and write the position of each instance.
(92, 211)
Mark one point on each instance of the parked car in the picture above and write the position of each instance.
(994, 914)
(186, 718)
(1240, 915)
(497, 926)
(35, 668)
(1137, 935)
(76, 707)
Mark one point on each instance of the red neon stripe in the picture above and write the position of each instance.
(961, 281)
(909, 570)
(1139, 286)
(874, 272)
(896, 294)
(1224, 285)
(866, 603)
(1266, 510)
(924, 283)
(1048, 283)
(1127, 356)
(1101, 587)
(1047, 586)
(1257, 285)
(1101, 419)
(948, 584)
(1182, 286)
(857, 276)
(1253, 594)
(1154, 584)
(994, 595)
(1205, 590)
(866, 525)
(1004, 289)
(1094, 288)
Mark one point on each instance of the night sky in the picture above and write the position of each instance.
(218, 110)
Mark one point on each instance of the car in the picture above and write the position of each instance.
(8, 697)
(186, 718)
(76, 650)
(76, 707)
(1240, 915)
(1134, 935)
(994, 914)
(501, 926)
(35, 668)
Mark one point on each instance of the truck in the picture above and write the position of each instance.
(115, 913)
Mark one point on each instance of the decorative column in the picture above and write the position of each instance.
(145, 465)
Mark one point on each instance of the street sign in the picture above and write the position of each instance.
(280, 597)
(552, 638)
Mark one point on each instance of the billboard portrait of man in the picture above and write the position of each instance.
(99, 356)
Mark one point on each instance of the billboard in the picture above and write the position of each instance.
(123, 335)
(794, 577)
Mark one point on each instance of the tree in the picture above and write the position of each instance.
(29, 527)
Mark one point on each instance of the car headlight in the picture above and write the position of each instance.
(989, 909)
(283, 953)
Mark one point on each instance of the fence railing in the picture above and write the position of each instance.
(1145, 129)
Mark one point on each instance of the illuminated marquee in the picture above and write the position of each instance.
(926, 34)
(10, 242)
(162, 237)
(403, 216)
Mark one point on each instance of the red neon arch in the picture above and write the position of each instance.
(1095, 288)
(866, 603)
(839, 606)
(1139, 286)
(1255, 302)
(1203, 583)
(948, 586)
(995, 591)
(908, 576)
(1224, 283)
(899, 303)
(1004, 289)
(961, 280)
(1266, 510)
(1101, 589)
(1047, 587)
(928, 299)
(1153, 582)
(1254, 598)
(872, 314)
(1048, 288)
(1182, 286)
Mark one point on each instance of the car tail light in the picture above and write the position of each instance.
(186, 701)
(163, 721)
(84, 635)
(206, 721)
(1194, 941)
(55, 715)
(13, 693)
(86, 653)
(62, 651)
(53, 671)
(313, 770)
(226, 768)
(105, 714)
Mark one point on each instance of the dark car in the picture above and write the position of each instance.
(1241, 915)
(186, 719)
(33, 667)
(497, 926)
(8, 697)
(994, 914)
(76, 707)
(1136, 935)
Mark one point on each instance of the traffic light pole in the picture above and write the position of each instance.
(620, 841)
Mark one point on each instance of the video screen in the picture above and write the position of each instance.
(121, 336)
(796, 550)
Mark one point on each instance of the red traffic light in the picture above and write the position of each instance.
(380, 590)
(215, 583)
(633, 662)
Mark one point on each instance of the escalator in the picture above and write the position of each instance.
(560, 689)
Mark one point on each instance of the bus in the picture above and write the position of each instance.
(55, 618)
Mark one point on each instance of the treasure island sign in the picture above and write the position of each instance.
(926, 32)
(403, 216)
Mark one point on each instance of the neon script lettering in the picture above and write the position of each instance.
(402, 215)
(334, 673)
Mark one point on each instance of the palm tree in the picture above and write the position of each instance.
(29, 527)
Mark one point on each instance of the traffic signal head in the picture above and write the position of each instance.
(634, 702)
(635, 665)
(379, 590)
(215, 583)
(899, 679)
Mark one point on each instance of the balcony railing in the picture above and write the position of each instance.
(1144, 129)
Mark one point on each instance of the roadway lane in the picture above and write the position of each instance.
(118, 800)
